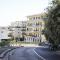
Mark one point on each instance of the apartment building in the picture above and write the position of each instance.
(35, 25)
(19, 29)
(30, 30)
(4, 33)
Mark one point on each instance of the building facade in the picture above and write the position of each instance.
(35, 25)
(30, 30)
(19, 29)
(4, 33)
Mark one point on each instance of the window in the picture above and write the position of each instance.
(44, 18)
(8, 28)
(33, 18)
(36, 35)
(18, 32)
(37, 23)
(23, 29)
(27, 29)
(1, 31)
(18, 29)
(30, 18)
(33, 39)
(3, 27)
(38, 17)
(9, 35)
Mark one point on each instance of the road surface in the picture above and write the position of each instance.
(22, 53)
(48, 54)
(32, 53)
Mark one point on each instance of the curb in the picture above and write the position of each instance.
(5, 52)
(38, 54)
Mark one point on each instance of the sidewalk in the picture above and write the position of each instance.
(2, 49)
(5, 50)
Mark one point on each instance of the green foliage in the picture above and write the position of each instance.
(3, 43)
(55, 2)
(52, 27)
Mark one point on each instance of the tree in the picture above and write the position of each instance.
(52, 26)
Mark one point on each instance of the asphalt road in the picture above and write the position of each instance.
(47, 54)
(22, 53)
(31, 53)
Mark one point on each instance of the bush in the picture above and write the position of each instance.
(3, 43)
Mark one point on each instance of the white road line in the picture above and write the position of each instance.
(38, 55)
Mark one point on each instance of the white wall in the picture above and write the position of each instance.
(4, 31)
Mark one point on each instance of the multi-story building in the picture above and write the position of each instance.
(4, 33)
(19, 29)
(31, 29)
(35, 25)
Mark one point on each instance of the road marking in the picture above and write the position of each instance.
(38, 55)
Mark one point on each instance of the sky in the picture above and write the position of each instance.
(17, 10)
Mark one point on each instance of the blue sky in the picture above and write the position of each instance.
(17, 10)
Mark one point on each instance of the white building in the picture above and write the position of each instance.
(4, 33)
(35, 25)
(31, 29)
(19, 29)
